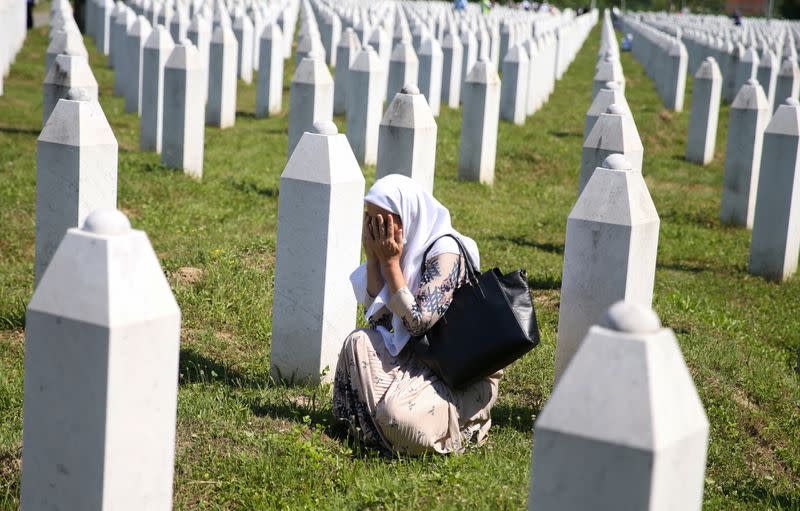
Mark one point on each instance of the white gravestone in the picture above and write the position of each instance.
(513, 94)
(481, 111)
(179, 25)
(68, 74)
(403, 69)
(608, 70)
(451, 70)
(469, 56)
(137, 37)
(746, 68)
(310, 97)
(613, 133)
(776, 223)
(675, 77)
(76, 173)
(610, 94)
(221, 108)
(101, 374)
(184, 127)
(706, 94)
(365, 105)
(788, 82)
(199, 34)
(624, 427)
(243, 30)
(430, 72)
(346, 51)
(104, 20)
(269, 92)
(154, 56)
(749, 115)
(609, 253)
(69, 42)
(407, 139)
(767, 76)
(535, 95)
(320, 212)
(122, 62)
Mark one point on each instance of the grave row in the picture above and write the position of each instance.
(445, 58)
(761, 156)
(103, 328)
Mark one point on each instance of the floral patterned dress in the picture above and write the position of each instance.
(398, 404)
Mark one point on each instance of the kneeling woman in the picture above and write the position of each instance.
(391, 400)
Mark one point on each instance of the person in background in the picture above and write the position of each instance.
(460, 5)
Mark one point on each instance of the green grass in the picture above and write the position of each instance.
(246, 443)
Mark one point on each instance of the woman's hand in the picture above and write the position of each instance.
(387, 240)
(366, 239)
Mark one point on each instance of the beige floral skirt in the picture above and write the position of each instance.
(398, 405)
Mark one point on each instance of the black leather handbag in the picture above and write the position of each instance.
(489, 324)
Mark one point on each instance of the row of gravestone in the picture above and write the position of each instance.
(604, 414)
(12, 35)
(143, 79)
(103, 328)
(762, 161)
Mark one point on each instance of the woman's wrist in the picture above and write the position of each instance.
(390, 265)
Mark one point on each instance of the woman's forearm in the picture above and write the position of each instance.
(394, 276)
(374, 277)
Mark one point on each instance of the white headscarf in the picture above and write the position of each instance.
(424, 220)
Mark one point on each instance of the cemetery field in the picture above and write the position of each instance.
(247, 442)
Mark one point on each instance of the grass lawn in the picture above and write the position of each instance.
(245, 443)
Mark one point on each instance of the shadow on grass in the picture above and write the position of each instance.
(552, 248)
(759, 494)
(249, 187)
(565, 134)
(197, 368)
(21, 131)
(13, 319)
(544, 282)
(514, 416)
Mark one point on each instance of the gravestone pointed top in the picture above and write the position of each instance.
(786, 120)
(617, 162)
(312, 70)
(632, 318)
(184, 56)
(141, 27)
(788, 67)
(160, 39)
(71, 70)
(223, 34)
(410, 88)
(78, 123)
(483, 72)
(750, 97)
(325, 128)
(107, 222)
(708, 70)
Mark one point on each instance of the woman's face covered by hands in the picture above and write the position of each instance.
(382, 235)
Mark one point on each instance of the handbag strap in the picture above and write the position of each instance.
(472, 274)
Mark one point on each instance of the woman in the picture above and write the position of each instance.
(391, 400)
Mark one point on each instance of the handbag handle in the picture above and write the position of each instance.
(472, 274)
